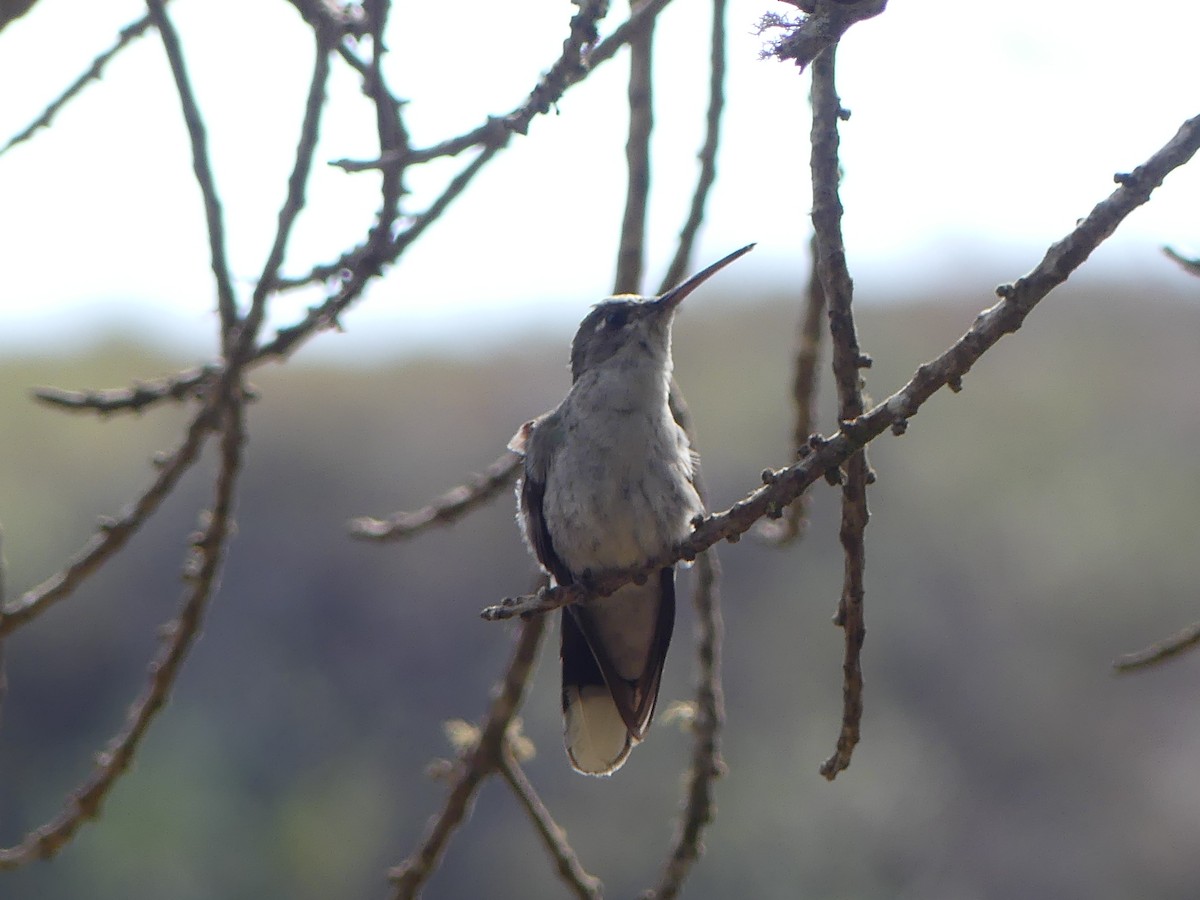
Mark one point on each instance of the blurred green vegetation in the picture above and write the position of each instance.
(1024, 533)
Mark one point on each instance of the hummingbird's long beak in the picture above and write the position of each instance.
(673, 297)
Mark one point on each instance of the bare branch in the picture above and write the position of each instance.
(574, 64)
(708, 151)
(804, 396)
(113, 533)
(185, 385)
(201, 571)
(1017, 300)
(554, 839)
(226, 303)
(474, 767)
(640, 100)
(444, 510)
(847, 362)
(310, 131)
(1180, 642)
(125, 37)
(361, 265)
(707, 766)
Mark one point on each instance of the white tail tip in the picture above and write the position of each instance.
(597, 740)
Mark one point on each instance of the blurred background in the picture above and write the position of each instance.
(1024, 532)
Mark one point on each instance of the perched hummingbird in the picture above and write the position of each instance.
(609, 482)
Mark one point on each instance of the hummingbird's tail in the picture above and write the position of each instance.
(613, 650)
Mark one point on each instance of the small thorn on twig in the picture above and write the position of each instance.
(954, 382)
(1004, 291)
(899, 427)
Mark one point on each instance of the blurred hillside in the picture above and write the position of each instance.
(1024, 533)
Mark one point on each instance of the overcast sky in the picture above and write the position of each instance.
(979, 134)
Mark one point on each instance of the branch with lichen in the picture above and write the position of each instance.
(819, 26)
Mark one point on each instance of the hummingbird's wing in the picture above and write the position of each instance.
(532, 492)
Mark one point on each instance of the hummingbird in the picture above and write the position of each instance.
(609, 481)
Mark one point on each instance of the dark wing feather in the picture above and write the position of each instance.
(532, 493)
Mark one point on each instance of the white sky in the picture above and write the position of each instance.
(979, 133)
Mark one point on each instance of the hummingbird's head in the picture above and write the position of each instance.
(631, 325)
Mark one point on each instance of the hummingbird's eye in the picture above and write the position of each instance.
(616, 319)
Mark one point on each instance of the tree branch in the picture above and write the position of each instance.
(640, 100)
(554, 839)
(573, 65)
(804, 397)
(708, 152)
(700, 807)
(113, 533)
(201, 571)
(226, 302)
(838, 289)
(474, 767)
(444, 510)
(1191, 266)
(125, 37)
(185, 385)
(1180, 642)
(310, 131)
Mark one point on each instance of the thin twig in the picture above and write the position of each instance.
(1191, 266)
(444, 510)
(848, 360)
(804, 397)
(226, 302)
(113, 533)
(707, 766)
(208, 548)
(182, 386)
(708, 152)
(310, 131)
(783, 486)
(563, 74)
(474, 767)
(125, 37)
(567, 70)
(1180, 642)
(355, 271)
(581, 883)
(363, 265)
(640, 100)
